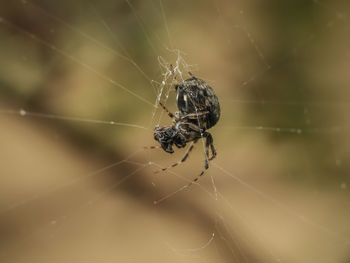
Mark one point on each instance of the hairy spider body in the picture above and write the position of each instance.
(195, 96)
(199, 110)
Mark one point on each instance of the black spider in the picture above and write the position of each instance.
(199, 110)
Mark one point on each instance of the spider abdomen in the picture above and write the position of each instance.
(196, 97)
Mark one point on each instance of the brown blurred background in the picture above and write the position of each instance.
(76, 188)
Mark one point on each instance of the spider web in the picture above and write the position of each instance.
(278, 189)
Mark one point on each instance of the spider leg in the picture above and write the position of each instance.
(196, 179)
(213, 152)
(208, 142)
(151, 147)
(167, 111)
(194, 115)
(183, 159)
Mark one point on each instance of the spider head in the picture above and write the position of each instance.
(167, 136)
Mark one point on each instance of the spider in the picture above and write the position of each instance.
(199, 110)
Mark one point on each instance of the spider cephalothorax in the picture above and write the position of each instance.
(167, 136)
(199, 110)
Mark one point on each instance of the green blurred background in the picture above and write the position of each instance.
(71, 192)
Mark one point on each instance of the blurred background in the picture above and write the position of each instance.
(80, 83)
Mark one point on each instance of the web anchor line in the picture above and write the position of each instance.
(74, 59)
(25, 113)
(283, 207)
